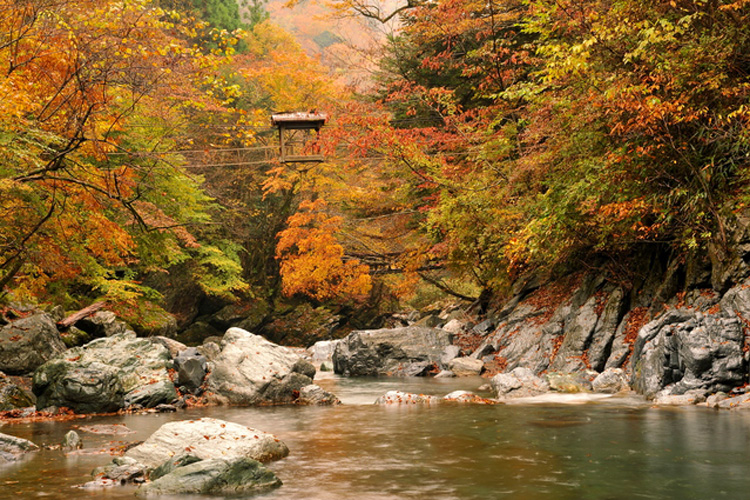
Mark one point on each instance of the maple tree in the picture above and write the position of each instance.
(92, 92)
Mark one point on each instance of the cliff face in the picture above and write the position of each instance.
(679, 327)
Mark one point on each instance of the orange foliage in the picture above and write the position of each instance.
(312, 261)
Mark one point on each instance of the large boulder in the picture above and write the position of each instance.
(13, 448)
(216, 476)
(207, 438)
(28, 343)
(247, 369)
(106, 375)
(521, 382)
(407, 351)
(12, 396)
(686, 350)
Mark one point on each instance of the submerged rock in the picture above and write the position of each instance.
(569, 383)
(408, 351)
(405, 398)
(27, 343)
(468, 397)
(72, 441)
(207, 438)
(521, 382)
(13, 448)
(248, 369)
(315, 395)
(215, 476)
(106, 375)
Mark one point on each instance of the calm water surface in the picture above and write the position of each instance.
(605, 450)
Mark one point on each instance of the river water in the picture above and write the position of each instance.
(607, 449)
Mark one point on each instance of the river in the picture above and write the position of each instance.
(608, 449)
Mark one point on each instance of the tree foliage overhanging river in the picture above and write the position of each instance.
(618, 448)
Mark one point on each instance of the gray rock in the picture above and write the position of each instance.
(207, 438)
(569, 383)
(27, 343)
(399, 351)
(405, 398)
(741, 402)
(520, 382)
(12, 396)
(602, 339)
(429, 321)
(685, 350)
(72, 441)
(173, 463)
(74, 337)
(714, 399)
(13, 448)
(610, 381)
(197, 333)
(467, 397)
(466, 367)
(249, 369)
(450, 353)
(102, 324)
(239, 476)
(445, 374)
(173, 346)
(315, 395)
(454, 326)
(579, 329)
(690, 398)
(322, 350)
(152, 395)
(192, 367)
(105, 375)
(484, 327)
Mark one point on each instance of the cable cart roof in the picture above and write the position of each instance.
(299, 120)
(299, 147)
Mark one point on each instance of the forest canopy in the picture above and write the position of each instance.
(496, 139)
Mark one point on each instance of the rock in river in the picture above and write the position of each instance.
(12, 448)
(249, 370)
(407, 351)
(215, 476)
(405, 398)
(207, 438)
(521, 382)
(105, 375)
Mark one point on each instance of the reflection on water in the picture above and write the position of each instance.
(605, 450)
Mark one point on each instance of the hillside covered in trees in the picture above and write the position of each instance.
(496, 141)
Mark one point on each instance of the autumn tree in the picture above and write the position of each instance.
(93, 92)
